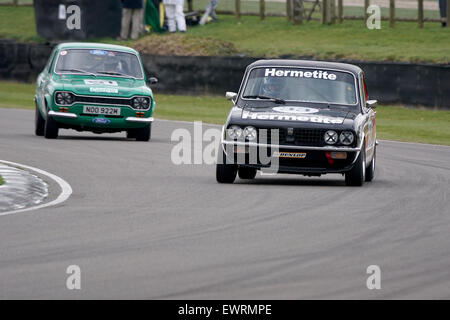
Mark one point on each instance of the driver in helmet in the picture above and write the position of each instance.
(113, 64)
(272, 87)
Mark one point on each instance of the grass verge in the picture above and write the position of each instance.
(274, 36)
(393, 122)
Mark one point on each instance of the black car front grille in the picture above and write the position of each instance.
(302, 137)
(309, 136)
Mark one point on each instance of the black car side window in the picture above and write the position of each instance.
(363, 93)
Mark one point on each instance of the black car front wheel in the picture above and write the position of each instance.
(51, 128)
(225, 173)
(370, 172)
(356, 176)
(39, 123)
(247, 173)
(144, 134)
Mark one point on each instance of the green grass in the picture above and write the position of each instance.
(1, 181)
(351, 39)
(393, 122)
(276, 37)
(18, 23)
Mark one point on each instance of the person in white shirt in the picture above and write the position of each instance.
(175, 15)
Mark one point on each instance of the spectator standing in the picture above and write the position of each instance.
(210, 11)
(175, 15)
(132, 16)
(443, 10)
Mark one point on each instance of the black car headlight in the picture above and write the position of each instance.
(346, 137)
(331, 137)
(64, 98)
(250, 133)
(141, 103)
(234, 132)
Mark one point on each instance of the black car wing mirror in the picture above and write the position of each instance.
(371, 104)
(231, 96)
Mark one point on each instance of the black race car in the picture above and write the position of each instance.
(302, 117)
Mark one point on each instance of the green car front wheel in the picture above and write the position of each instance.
(144, 134)
(39, 123)
(51, 128)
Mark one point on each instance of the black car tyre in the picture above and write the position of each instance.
(247, 173)
(51, 128)
(356, 176)
(39, 123)
(225, 173)
(370, 172)
(144, 134)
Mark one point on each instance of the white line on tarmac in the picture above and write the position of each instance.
(66, 189)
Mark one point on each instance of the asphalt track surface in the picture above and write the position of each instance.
(141, 227)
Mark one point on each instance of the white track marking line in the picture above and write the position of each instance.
(66, 189)
(417, 143)
(189, 122)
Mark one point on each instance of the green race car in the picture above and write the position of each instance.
(94, 87)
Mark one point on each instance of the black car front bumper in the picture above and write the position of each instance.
(314, 160)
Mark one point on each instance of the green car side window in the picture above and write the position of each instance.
(50, 61)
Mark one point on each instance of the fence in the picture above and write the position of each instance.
(16, 3)
(327, 11)
(330, 11)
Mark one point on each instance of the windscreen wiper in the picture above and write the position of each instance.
(80, 71)
(113, 73)
(276, 100)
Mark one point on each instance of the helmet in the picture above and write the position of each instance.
(271, 87)
(111, 64)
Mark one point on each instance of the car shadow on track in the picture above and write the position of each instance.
(110, 138)
(293, 182)
(94, 138)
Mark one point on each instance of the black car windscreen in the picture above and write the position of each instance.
(301, 84)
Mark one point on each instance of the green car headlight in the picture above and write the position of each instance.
(64, 98)
(141, 103)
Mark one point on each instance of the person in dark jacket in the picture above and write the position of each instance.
(443, 11)
(132, 16)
